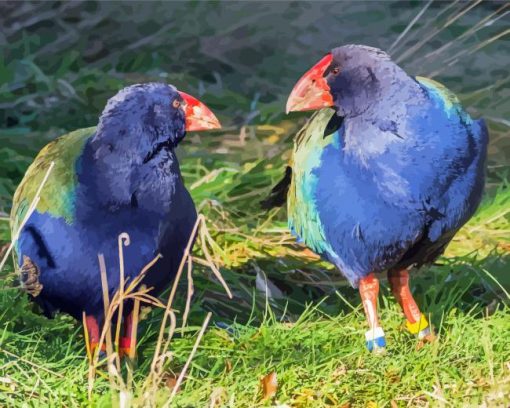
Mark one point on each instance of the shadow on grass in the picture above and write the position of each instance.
(469, 284)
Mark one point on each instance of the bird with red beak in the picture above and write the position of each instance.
(382, 176)
(121, 176)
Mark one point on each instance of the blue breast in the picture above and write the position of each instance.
(384, 189)
(158, 220)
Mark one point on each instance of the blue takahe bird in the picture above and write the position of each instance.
(121, 176)
(382, 176)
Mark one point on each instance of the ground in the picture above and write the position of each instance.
(312, 337)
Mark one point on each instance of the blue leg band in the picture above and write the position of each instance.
(375, 339)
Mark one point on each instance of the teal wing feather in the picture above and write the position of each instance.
(303, 216)
(57, 197)
(450, 101)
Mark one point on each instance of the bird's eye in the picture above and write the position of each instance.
(176, 103)
(335, 71)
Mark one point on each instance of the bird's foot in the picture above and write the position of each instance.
(125, 348)
(376, 341)
(29, 275)
(422, 330)
(425, 336)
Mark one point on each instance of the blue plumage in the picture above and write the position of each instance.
(382, 176)
(127, 180)
(122, 176)
(388, 199)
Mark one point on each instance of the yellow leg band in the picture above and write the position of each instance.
(415, 328)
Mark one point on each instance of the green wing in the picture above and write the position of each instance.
(449, 100)
(308, 147)
(58, 194)
(298, 185)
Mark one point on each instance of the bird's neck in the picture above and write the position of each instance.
(374, 92)
(117, 175)
(384, 125)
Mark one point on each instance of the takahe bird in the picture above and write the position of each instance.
(382, 176)
(121, 176)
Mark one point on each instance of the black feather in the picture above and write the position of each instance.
(278, 195)
(333, 125)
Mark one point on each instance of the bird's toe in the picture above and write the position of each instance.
(379, 351)
(427, 338)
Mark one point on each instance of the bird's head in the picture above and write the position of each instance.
(348, 79)
(143, 116)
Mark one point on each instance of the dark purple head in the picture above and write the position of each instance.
(144, 115)
(349, 78)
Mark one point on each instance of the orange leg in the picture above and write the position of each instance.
(369, 291)
(93, 332)
(127, 341)
(416, 321)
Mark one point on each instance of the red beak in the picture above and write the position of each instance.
(312, 91)
(198, 116)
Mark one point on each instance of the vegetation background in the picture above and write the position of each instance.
(292, 314)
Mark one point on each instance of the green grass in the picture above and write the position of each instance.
(312, 338)
(319, 360)
(56, 77)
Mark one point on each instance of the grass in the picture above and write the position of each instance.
(319, 360)
(306, 325)
(312, 337)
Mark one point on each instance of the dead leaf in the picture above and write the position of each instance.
(9, 383)
(504, 246)
(144, 312)
(228, 365)
(428, 339)
(273, 139)
(310, 254)
(170, 380)
(393, 404)
(393, 376)
(269, 385)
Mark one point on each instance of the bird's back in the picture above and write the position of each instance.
(57, 196)
(459, 164)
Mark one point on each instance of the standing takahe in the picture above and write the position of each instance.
(382, 176)
(121, 176)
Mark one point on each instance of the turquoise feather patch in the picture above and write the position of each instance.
(303, 217)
